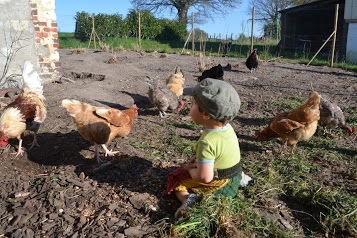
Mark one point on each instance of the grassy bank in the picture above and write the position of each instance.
(267, 50)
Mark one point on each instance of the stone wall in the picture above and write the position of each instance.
(28, 31)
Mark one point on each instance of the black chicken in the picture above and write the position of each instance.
(252, 61)
(216, 72)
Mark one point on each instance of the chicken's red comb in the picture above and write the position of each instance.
(3, 142)
(352, 130)
(135, 107)
(182, 103)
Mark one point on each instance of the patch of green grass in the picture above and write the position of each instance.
(218, 216)
(292, 102)
(67, 41)
(140, 145)
(334, 208)
(179, 144)
(190, 125)
(151, 155)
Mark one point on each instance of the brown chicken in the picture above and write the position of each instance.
(100, 125)
(27, 112)
(297, 125)
(252, 61)
(176, 81)
(163, 98)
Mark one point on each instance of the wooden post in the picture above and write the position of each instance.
(277, 30)
(139, 31)
(321, 48)
(252, 35)
(93, 32)
(334, 36)
(193, 36)
(188, 37)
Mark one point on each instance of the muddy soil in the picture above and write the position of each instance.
(58, 189)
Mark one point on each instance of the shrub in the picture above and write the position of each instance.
(171, 30)
(114, 25)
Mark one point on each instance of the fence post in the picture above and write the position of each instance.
(334, 36)
(193, 36)
(139, 31)
(95, 44)
(252, 35)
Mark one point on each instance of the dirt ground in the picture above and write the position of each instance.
(58, 190)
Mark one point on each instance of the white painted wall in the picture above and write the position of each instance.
(351, 10)
(351, 49)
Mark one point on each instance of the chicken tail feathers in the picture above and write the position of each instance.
(73, 106)
(31, 78)
(153, 84)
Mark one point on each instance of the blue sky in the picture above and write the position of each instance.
(234, 23)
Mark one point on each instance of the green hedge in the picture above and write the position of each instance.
(114, 25)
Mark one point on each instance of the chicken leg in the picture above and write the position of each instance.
(34, 142)
(109, 152)
(162, 114)
(20, 151)
(97, 154)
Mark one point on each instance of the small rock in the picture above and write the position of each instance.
(75, 235)
(25, 218)
(139, 200)
(82, 176)
(121, 223)
(52, 216)
(112, 206)
(47, 226)
(83, 220)
(68, 218)
(29, 233)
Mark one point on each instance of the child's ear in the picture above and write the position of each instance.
(205, 116)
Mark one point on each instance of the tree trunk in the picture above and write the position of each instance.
(182, 12)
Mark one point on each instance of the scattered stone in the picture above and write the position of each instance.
(139, 200)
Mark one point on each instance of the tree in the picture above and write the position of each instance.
(205, 8)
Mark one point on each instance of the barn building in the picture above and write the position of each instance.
(305, 28)
(28, 32)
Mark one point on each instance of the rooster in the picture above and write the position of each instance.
(163, 98)
(216, 72)
(332, 116)
(100, 125)
(252, 61)
(297, 125)
(176, 81)
(26, 112)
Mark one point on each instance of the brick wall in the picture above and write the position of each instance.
(46, 38)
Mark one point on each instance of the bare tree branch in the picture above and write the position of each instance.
(13, 44)
(205, 8)
(269, 9)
